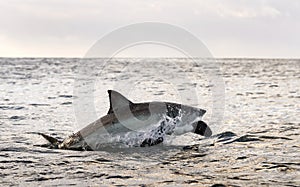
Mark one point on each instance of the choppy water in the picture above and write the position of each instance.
(257, 144)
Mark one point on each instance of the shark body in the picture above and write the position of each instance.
(135, 124)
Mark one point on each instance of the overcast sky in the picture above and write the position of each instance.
(229, 28)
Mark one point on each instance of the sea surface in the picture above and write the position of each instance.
(253, 108)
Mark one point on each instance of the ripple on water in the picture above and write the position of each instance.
(11, 108)
(17, 118)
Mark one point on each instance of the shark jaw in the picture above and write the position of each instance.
(129, 124)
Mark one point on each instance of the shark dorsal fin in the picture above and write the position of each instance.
(117, 100)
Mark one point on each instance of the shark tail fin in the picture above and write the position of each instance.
(53, 141)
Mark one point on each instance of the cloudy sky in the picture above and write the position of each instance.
(229, 28)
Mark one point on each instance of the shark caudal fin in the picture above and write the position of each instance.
(53, 141)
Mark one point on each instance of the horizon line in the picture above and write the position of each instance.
(175, 57)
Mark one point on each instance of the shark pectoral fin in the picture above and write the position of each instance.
(117, 100)
(151, 141)
(53, 141)
(202, 128)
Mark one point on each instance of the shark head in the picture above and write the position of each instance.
(193, 116)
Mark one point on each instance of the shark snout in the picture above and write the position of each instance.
(202, 128)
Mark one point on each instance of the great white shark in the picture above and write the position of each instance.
(135, 124)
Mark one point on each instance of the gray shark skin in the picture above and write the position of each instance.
(125, 119)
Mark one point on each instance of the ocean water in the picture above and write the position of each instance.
(255, 142)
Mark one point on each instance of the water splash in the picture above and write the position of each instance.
(154, 132)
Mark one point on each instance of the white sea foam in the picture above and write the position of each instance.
(165, 127)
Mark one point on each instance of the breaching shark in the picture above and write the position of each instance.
(135, 124)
